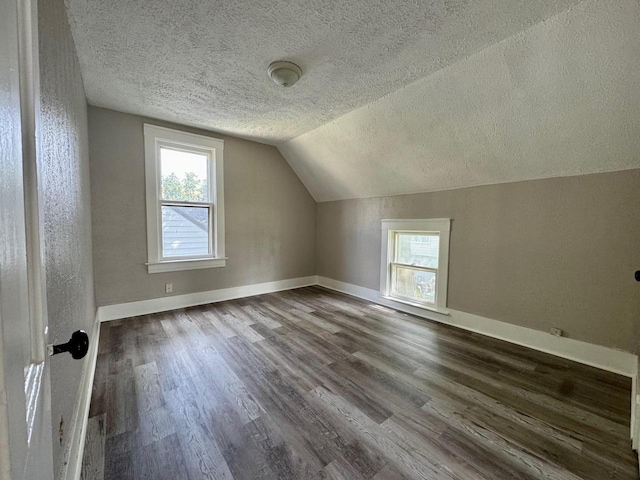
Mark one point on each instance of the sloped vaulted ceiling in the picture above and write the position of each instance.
(561, 98)
(397, 96)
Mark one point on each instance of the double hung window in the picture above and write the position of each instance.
(185, 200)
(415, 262)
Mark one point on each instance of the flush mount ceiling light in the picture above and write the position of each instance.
(284, 74)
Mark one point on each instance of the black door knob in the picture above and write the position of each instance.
(78, 346)
(637, 275)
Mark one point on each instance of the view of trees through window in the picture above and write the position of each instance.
(191, 188)
(184, 175)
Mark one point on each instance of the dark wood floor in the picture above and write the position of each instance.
(309, 384)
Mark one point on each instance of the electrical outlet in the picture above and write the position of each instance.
(555, 331)
(168, 287)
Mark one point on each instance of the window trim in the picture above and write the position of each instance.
(156, 137)
(441, 226)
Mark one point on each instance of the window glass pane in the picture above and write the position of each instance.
(184, 175)
(185, 231)
(414, 284)
(418, 249)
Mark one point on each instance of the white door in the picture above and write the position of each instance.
(25, 408)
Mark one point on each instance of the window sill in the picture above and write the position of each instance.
(178, 265)
(441, 311)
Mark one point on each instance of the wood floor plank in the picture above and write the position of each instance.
(281, 313)
(405, 458)
(486, 382)
(244, 458)
(93, 457)
(155, 420)
(224, 379)
(242, 328)
(339, 469)
(504, 447)
(293, 302)
(565, 458)
(122, 410)
(259, 317)
(288, 459)
(388, 473)
(316, 320)
(474, 397)
(441, 457)
(202, 455)
(120, 457)
(314, 384)
(162, 460)
(489, 463)
(286, 404)
(363, 459)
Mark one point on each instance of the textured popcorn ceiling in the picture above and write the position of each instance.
(203, 63)
(559, 99)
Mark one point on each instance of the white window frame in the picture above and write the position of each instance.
(154, 138)
(440, 226)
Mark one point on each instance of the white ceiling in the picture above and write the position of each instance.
(203, 63)
(561, 98)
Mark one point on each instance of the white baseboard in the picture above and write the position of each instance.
(164, 304)
(609, 359)
(73, 455)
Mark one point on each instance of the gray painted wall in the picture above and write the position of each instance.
(557, 252)
(269, 215)
(64, 178)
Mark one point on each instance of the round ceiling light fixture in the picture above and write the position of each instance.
(284, 74)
